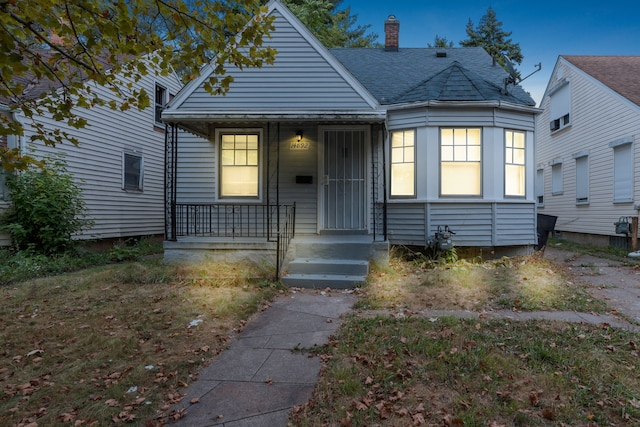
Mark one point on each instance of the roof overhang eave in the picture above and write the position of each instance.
(467, 104)
(177, 117)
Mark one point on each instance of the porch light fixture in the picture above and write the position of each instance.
(299, 136)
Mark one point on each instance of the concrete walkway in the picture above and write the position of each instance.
(262, 376)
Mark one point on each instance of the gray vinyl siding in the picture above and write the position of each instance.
(475, 224)
(406, 223)
(461, 117)
(300, 79)
(515, 224)
(293, 163)
(407, 118)
(453, 116)
(96, 164)
(598, 117)
(196, 181)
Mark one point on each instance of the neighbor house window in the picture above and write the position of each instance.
(514, 164)
(160, 102)
(622, 170)
(560, 106)
(540, 186)
(132, 171)
(403, 164)
(556, 178)
(7, 142)
(239, 165)
(460, 162)
(582, 178)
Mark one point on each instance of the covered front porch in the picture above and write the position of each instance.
(315, 180)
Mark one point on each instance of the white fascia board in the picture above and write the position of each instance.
(467, 104)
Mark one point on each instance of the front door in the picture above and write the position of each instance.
(344, 205)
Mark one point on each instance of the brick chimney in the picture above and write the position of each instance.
(391, 34)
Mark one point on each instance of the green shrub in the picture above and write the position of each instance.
(46, 210)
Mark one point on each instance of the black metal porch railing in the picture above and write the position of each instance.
(285, 234)
(229, 220)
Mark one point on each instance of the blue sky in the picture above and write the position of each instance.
(544, 29)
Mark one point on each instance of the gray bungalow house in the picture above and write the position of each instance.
(350, 150)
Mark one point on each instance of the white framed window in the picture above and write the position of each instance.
(622, 170)
(556, 178)
(582, 179)
(239, 175)
(403, 168)
(560, 106)
(160, 102)
(460, 162)
(132, 171)
(540, 186)
(514, 164)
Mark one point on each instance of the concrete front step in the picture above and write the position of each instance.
(338, 261)
(321, 281)
(346, 267)
(333, 249)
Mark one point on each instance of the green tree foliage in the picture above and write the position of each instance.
(490, 35)
(332, 26)
(440, 42)
(67, 46)
(46, 209)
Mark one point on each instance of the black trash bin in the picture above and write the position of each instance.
(546, 224)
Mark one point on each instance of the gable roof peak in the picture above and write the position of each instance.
(618, 72)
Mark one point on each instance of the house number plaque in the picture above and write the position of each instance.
(299, 146)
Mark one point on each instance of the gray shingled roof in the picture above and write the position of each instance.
(417, 74)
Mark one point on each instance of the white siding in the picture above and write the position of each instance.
(300, 79)
(598, 117)
(96, 163)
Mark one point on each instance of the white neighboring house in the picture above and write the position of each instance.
(588, 139)
(119, 162)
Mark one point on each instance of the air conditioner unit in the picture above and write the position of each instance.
(554, 124)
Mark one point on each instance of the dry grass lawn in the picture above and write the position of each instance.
(116, 344)
(525, 283)
(417, 371)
